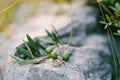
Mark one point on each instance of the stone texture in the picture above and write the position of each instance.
(83, 23)
(87, 63)
(90, 59)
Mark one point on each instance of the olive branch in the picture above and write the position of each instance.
(34, 55)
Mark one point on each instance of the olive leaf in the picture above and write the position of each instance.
(49, 34)
(117, 5)
(33, 45)
(54, 30)
(28, 48)
(25, 52)
(54, 36)
(46, 40)
(40, 45)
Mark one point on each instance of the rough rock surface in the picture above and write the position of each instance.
(87, 63)
(83, 23)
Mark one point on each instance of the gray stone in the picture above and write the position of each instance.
(87, 63)
(2, 38)
(83, 23)
(90, 59)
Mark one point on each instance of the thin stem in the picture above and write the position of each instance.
(106, 9)
(110, 33)
(113, 55)
(101, 11)
(1, 20)
(114, 42)
(71, 35)
(34, 61)
(61, 61)
(53, 46)
(4, 10)
(116, 48)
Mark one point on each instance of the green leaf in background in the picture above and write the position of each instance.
(23, 51)
(109, 1)
(58, 1)
(113, 8)
(117, 24)
(4, 10)
(118, 33)
(99, 0)
(106, 26)
(33, 45)
(112, 18)
(103, 22)
(117, 5)
(107, 18)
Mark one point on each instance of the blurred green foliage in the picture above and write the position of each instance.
(7, 10)
(111, 2)
(110, 11)
(7, 16)
(62, 1)
(111, 15)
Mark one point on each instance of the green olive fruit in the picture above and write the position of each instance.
(49, 50)
(53, 55)
(66, 56)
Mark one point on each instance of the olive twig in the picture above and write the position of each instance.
(61, 61)
(53, 46)
(33, 55)
(71, 33)
(34, 61)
